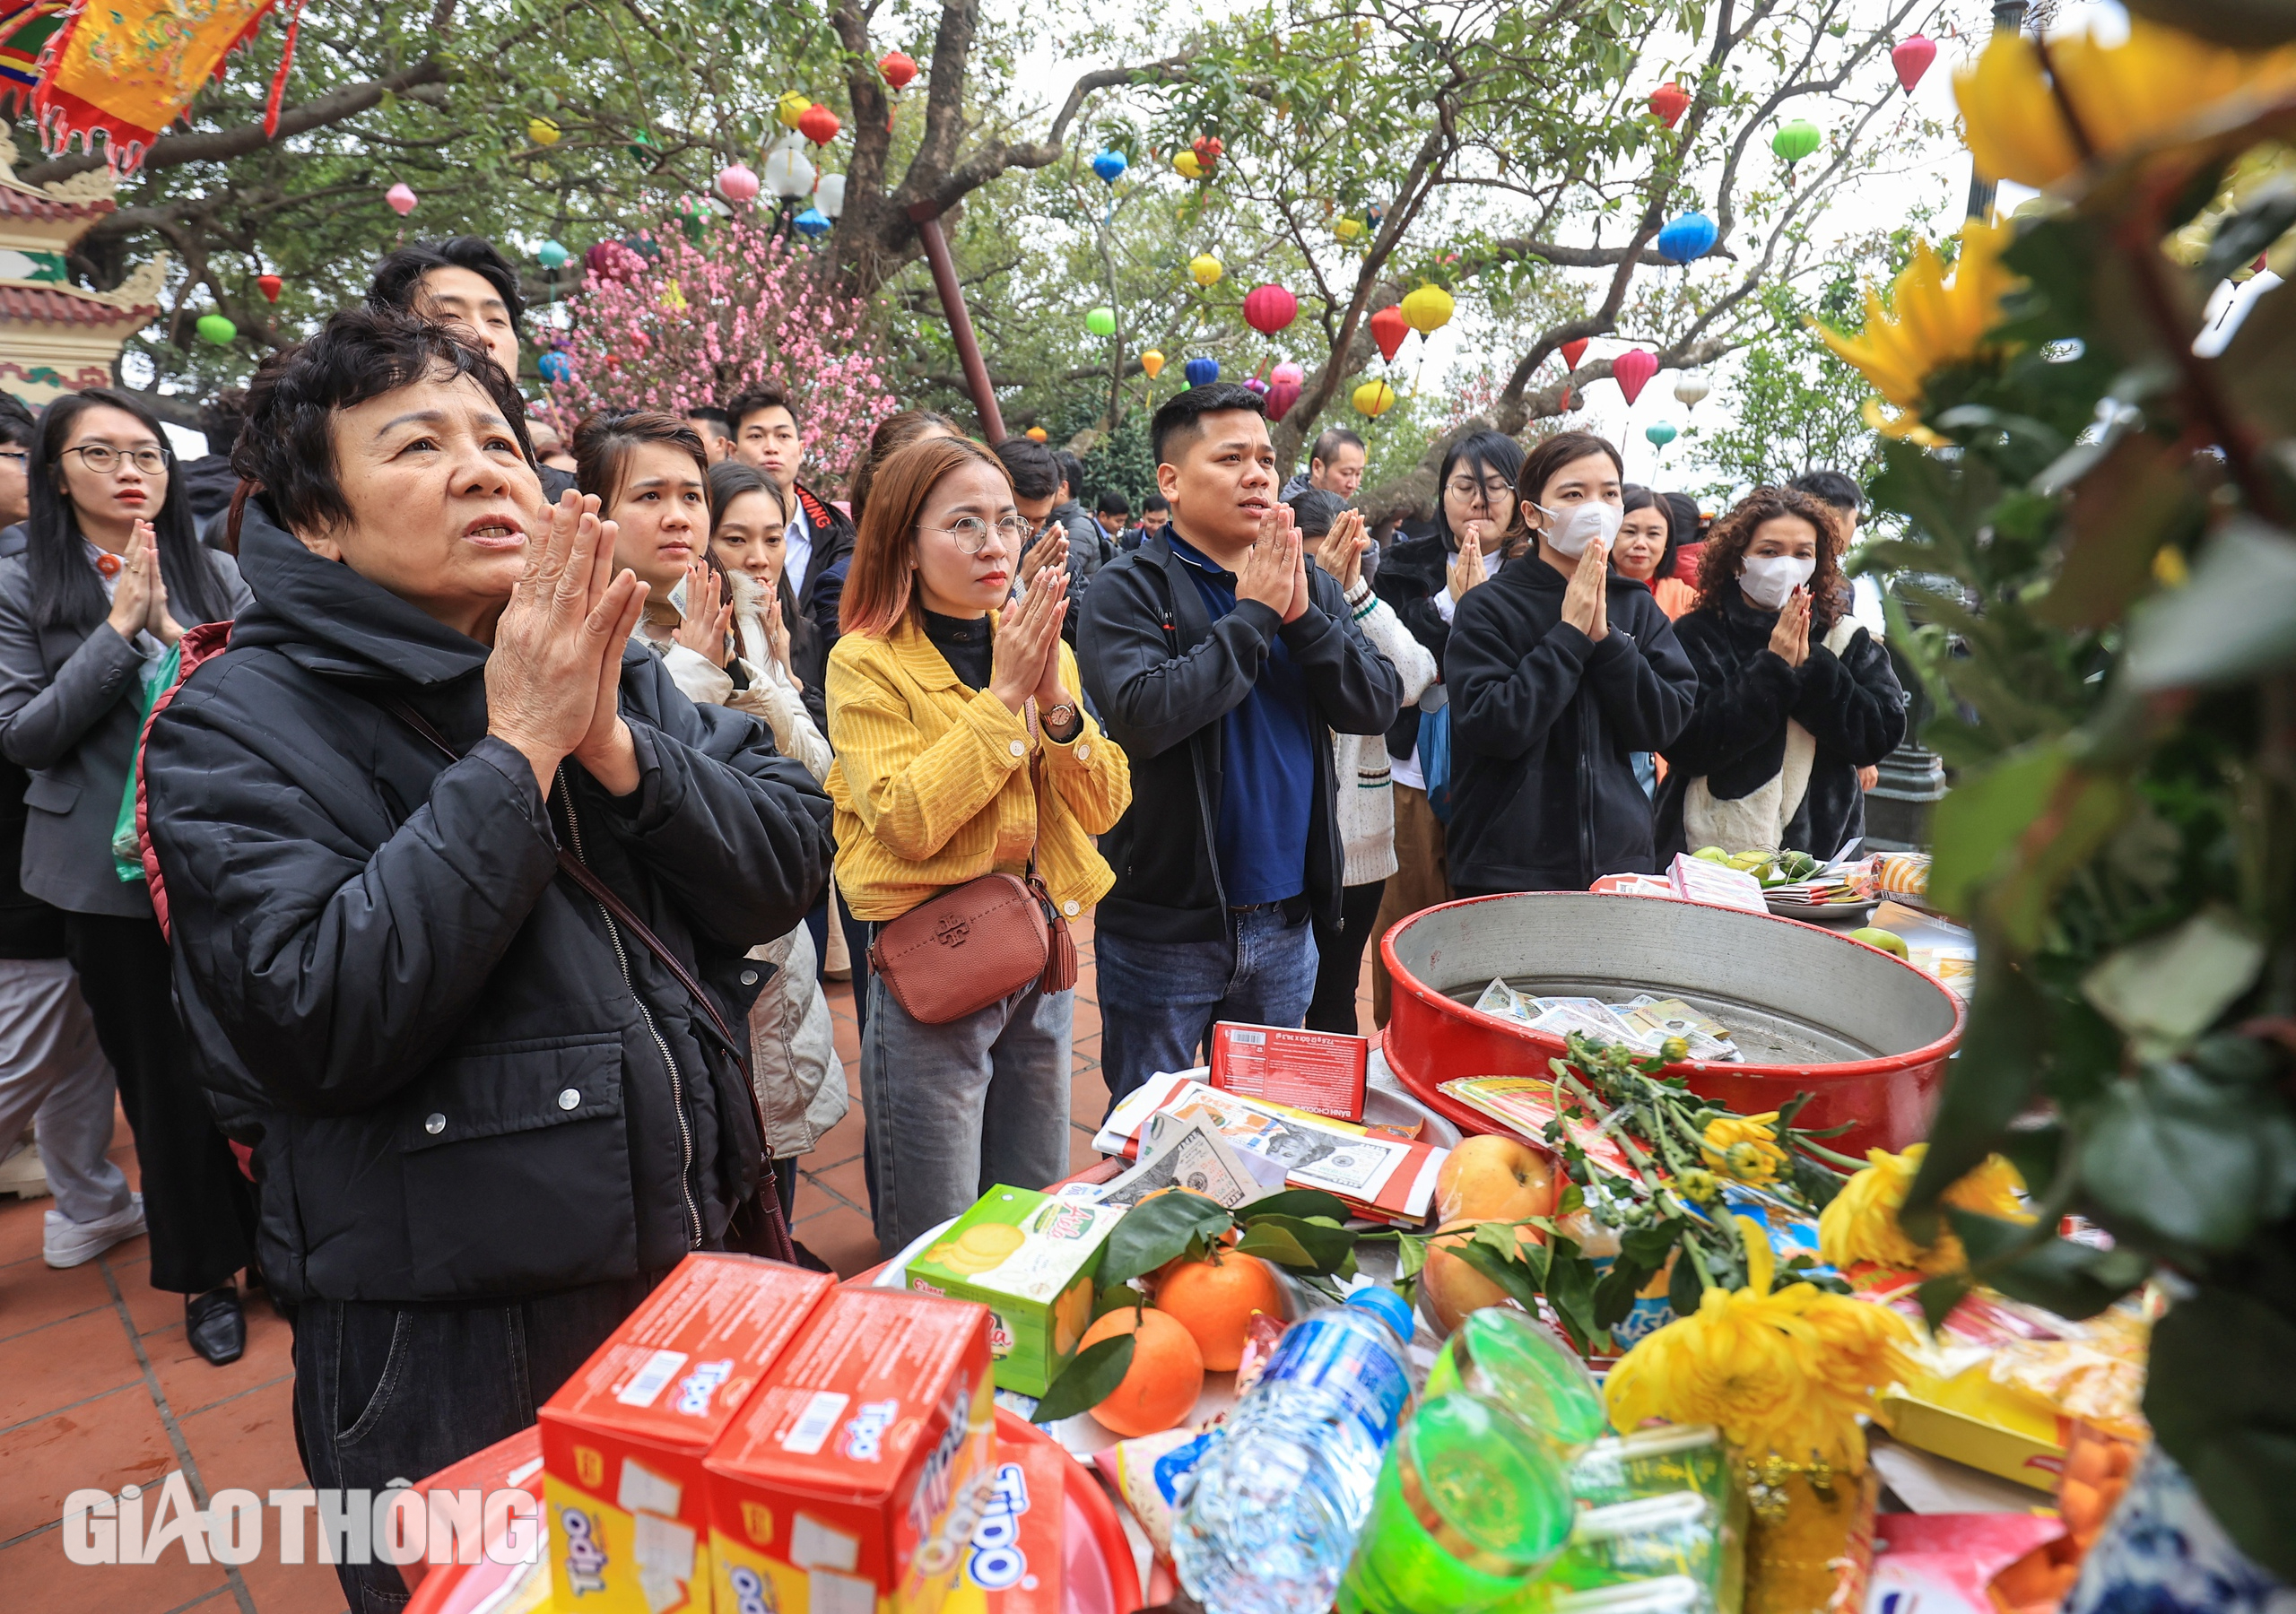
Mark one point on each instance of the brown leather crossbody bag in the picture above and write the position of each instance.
(981, 941)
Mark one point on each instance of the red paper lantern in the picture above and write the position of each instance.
(1911, 57)
(819, 124)
(899, 68)
(270, 285)
(1563, 402)
(1267, 309)
(1389, 328)
(1573, 351)
(1633, 371)
(1668, 103)
(1207, 149)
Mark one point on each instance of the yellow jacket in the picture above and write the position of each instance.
(932, 788)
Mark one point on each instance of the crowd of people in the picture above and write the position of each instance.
(439, 829)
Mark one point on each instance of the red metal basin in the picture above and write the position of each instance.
(1866, 1032)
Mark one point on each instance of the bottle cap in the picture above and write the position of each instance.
(1386, 1305)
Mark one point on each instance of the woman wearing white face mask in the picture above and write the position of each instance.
(1794, 696)
(1559, 673)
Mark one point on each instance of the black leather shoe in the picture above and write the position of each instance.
(215, 1326)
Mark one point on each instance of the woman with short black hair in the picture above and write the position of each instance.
(110, 577)
(1794, 696)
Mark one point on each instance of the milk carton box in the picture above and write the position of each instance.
(854, 1481)
(1030, 1258)
(623, 1439)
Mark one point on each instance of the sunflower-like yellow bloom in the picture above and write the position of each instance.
(1931, 322)
(1789, 1373)
(2123, 95)
(1744, 1147)
(1862, 1224)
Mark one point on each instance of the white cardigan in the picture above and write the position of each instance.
(1367, 799)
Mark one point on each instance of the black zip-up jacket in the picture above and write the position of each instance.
(1162, 674)
(1852, 704)
(460, 1079)
(1544, 723)
(1410, 574)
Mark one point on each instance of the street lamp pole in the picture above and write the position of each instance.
(2008, 17)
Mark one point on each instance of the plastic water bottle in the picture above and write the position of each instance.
(1268, 1519)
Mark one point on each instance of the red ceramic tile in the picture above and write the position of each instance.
(38, 1577)
(33, 1295)
(152, 1309)
(848, 1181)
(66, 1362)
(104, 1444)
(249, 1442)
(20, 1225)
(191, 1383)
(841, 1238)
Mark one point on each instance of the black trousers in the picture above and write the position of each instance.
(1339, 958)
(385, 1393)
(200, 1206)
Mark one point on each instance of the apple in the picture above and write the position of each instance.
(1887, 940)
(1490, 1178)
(1453, 1288)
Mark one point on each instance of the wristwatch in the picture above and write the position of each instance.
(1061, 721)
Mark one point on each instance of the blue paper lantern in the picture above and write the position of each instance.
(1111, 166)
(1690, 235)
(1203, 372)
(813, 224)
(550, 255)
(556, 368)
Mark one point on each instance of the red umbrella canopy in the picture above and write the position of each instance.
(1267, 309)
(1389, 328)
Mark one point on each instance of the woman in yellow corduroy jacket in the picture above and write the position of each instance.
(937, 702)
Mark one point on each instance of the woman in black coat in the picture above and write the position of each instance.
(1794, 698)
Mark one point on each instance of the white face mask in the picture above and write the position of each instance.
(1569, 534)
(1770, 580)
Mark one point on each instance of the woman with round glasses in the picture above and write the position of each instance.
(110, 577)
(941, 696)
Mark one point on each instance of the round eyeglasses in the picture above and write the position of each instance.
(103, 461)
(971, 532)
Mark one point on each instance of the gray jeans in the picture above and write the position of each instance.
(53, 1075)
(954, 1110)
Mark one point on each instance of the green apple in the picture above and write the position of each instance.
(1889, 942)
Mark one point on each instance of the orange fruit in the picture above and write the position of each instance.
(1214, 1300)
(1453, 1288)
(1166, 1375)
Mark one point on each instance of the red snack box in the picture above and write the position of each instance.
(1321, 1072)
(1013, 1565)
(511, 1464)
(852, 1483)
(623, 1439)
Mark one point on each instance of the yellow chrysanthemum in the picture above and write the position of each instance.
(1743, 1148)
(2123, 95)
(1931, 322)
(1862, 1224)
(1789, 1373)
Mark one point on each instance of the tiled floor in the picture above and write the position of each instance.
(98, 1387)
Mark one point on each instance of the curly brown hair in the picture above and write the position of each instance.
(1726, 548)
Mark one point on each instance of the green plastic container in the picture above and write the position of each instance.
(1471, 1505)
(1526, 1368)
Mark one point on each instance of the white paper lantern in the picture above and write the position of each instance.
(788, 173)
(829, 195)
(1692, 388)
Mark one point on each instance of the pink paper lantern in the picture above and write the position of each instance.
(401, 198)
(1633, 371)
(1267, 309)
(738, 182)
(1911, 57)
(1284, 387)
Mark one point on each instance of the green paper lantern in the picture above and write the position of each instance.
(216, 329)
(1100, 322)
(1660, 435)
(550, 255)
(1796, 139)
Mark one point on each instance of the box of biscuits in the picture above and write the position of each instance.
(1030, 1259)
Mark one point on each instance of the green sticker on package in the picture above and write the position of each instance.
(1030, 1258)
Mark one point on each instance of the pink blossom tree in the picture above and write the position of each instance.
(714, 305)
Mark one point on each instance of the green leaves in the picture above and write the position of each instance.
(2235, 620)
(2025, 1262)
(2217, 1396)
(1161, 1229)
(2164, 990)
(2199, 1165)
(1090, 1378)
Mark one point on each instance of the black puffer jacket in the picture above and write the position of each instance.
(1162, 674)
(1413, 572)
(1544, 723)
(461, 1080)
(1852, 704)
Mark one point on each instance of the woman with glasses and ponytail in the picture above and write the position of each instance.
(110, 577)
(963, 750)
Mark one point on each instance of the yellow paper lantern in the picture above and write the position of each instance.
(1186, 166)
(1036, 434)
(792, 106)
(673, 297)
(1347, 228)
(1374, 398)
(1206, 269)
(542, 131)
(1152, 363)
(1428, 309)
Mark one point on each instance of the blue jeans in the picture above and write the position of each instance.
(1159, 999)
(953, 1110)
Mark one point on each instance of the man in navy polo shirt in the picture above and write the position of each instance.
(1222, 661)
